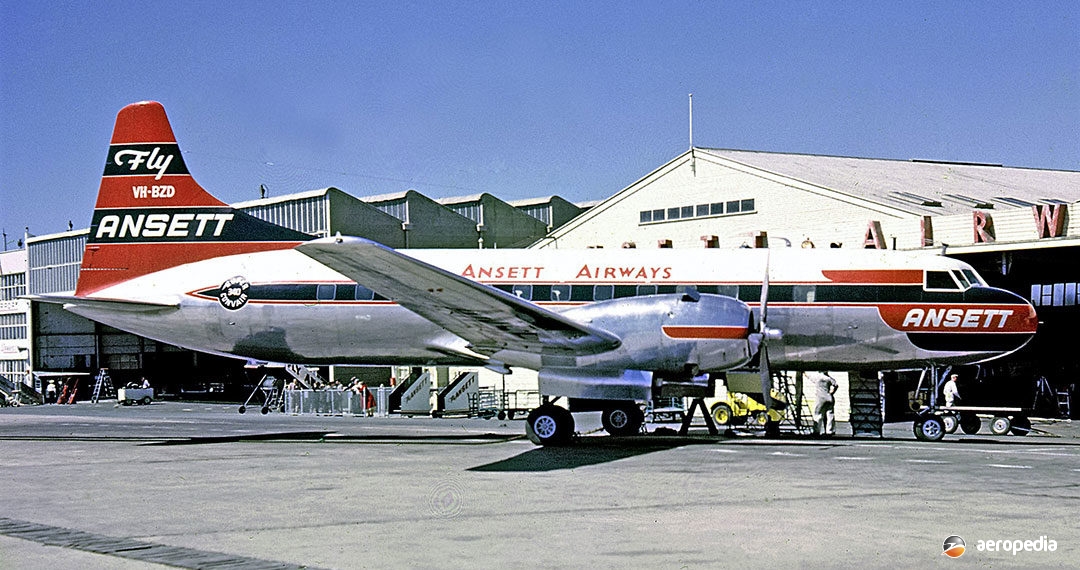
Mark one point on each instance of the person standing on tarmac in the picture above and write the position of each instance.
(950, 391)
(824, 403)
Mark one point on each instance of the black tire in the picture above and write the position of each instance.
(952, 423)
(721, 414)
(1000, 425)
(1021, 425)
(146, 400)
(929, 428)
(510, 414)
(970, 424)
(265, 410)
(242, 409)
(761, 418)
(624, 419)
(549, 425)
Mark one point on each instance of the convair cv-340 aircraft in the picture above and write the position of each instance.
(603, 328)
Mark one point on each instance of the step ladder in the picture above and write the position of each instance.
(1064, 402)
(797, 416)
(103, 386)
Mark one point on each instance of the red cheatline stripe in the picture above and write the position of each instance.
(710, 332)
(896, 276)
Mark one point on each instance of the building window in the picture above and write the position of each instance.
(742, 206)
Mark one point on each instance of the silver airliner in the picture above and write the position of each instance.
(605, 329)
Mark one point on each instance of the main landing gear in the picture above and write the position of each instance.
(554, 425)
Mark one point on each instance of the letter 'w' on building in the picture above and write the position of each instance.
(151, 214)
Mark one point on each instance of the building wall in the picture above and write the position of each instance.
(782, 210)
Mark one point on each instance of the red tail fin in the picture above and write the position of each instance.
(151, 214)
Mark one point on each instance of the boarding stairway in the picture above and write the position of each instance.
(271, 387)
(16, 393)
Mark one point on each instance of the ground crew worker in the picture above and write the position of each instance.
(950, 391)
(824, 403)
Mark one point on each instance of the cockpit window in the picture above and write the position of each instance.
(941, 281)
(962, 279)
(974, 278)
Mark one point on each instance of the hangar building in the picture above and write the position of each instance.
(1013, 224)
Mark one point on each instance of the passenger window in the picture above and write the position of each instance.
(560, 292)
(603, 292)
(345, 293)
(325, 292)
(623, 291)
(646, 290)
(363, 293)
(523, 291)
(804, 293)
(940, 280)
(581, 293)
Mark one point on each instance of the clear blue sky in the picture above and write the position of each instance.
(520, 99)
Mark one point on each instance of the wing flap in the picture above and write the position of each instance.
(489, 319)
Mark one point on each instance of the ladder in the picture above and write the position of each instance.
(103, 382)
(798, 414)
(1064, 401)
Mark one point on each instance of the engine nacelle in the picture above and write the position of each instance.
(667, 341)
(670, 334)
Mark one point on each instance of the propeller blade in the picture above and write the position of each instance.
(766, 376)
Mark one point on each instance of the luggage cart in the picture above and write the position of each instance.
(934, 421)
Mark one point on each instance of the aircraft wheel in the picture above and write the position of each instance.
(1021, 425)
(970, 424)
(1000, 425)
(626, 419)
(929, 428)
(502, 414)
(951, 423)
(510, 414)
(265, 410)
(721, 414)
(242, 409)
(549, 425)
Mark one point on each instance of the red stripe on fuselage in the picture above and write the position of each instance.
(705, 332)
(875, 276)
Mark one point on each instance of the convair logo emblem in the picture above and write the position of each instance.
(175, 225)
(153, 158)
(233, 293)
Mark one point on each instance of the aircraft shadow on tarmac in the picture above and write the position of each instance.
(587, 451)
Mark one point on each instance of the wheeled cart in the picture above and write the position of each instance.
(934, 421)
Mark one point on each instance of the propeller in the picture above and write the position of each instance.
(763, 335)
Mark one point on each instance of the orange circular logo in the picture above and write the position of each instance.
(953, 547)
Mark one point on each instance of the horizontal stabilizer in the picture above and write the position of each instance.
(119, 305)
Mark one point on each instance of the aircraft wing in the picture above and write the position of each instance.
(489, 319)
